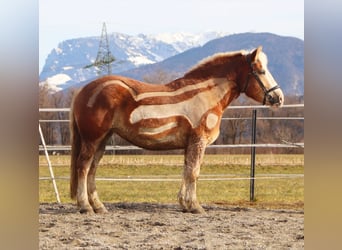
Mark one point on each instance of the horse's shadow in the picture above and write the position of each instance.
(69, 208)
(142, 206)
(57, 208)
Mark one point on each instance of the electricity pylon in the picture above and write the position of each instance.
(104, 58)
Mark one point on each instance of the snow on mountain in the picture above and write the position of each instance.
(183, 41)
(72, 56)
(56, 82)
(141, 55)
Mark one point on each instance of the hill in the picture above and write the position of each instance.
(285, 58)
(64, 70)
(71, 56)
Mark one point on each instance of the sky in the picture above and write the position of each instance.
(60, 20)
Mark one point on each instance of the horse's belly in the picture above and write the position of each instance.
(162, 141)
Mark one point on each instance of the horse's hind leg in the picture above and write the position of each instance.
(93, 197)
(187, 195)
(84, 162)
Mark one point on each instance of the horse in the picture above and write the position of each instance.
(182, 114)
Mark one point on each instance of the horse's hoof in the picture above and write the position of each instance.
(86, 211)
(101, 210)
(198, 210)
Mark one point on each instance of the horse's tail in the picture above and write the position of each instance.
(75, 140)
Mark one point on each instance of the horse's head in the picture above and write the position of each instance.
(260, 84)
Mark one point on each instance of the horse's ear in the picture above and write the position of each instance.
(255, 53)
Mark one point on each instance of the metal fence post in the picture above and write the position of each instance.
(251, 188)
(49, 165)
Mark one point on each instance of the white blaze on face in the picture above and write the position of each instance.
(267, 77)
(268, 80)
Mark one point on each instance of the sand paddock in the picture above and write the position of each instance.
(164, 226)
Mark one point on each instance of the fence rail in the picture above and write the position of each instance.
(301, 105)
(285, 144)
(131, 147)
(223, 119)
(118, 148)
(203, 178)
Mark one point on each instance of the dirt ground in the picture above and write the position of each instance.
(161, 226)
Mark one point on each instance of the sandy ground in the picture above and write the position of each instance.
(160, 226)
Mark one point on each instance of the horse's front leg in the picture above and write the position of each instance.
(181, 196)
(192, 161)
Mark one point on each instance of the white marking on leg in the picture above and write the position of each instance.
(181, 195)
(157, 130)
(211, 120)
(82, 195)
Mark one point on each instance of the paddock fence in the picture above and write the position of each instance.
(49, 149)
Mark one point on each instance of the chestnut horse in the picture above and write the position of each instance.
(183, 114)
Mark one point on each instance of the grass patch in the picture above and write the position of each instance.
(269, 193)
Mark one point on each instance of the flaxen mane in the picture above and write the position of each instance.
(213, 61)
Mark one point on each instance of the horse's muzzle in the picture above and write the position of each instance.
(275, 99)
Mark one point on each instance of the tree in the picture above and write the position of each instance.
(160, 76)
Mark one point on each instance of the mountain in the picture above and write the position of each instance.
(285, 58)
(71, 56)
(168, 55)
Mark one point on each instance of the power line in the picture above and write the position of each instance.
(104, 58)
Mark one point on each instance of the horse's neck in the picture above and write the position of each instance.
(215, 92)
(222, 78)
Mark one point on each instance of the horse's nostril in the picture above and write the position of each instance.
(272, 100)
(280, 98)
